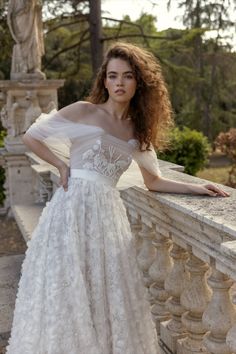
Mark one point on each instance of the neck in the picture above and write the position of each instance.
(116, 109)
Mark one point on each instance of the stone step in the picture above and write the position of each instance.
(10, 270)
(26, 216)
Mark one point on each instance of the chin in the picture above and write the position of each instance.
(121, 99)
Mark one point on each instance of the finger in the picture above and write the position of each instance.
(225, 194)
(217, 190)
(211, 193)
(65, 185)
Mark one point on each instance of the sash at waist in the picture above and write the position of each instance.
(91, 176)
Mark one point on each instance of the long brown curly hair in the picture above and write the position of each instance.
(150, 107)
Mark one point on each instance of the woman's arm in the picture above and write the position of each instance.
(60, 126)
(47, 155)
(161, 184)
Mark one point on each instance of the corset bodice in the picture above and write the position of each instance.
(104, 154)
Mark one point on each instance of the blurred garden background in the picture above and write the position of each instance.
(195, 43)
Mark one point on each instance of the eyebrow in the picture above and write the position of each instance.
(115, 72)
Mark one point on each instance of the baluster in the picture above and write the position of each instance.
(158, 273)
(175, 283)
(231, 338)
(135, 224)
(194, 298)
(219, 315)
(147, 252)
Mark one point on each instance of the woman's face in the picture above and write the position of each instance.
(120, 81)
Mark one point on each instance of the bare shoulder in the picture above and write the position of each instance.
(78, 111)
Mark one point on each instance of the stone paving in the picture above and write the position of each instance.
(12, 249)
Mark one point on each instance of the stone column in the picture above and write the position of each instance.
(194, 299)
(231, 339)
(219, 315)
(158, 272)
(147, 252)
(135, 224)
(175, 284)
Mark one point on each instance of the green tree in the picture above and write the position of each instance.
(6, 43)
(207, 15)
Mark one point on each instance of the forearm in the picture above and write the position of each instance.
(162, 184)
(42, 151)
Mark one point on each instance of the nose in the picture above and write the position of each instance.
(119, 81)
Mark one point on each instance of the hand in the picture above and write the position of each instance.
(64, 175)
(209, 189)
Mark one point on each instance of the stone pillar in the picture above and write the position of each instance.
(175, 284)
(219, 315)
(194, 299)
(147, 252)
(231, 339)
(23, 103)
(135, 224)
(158, 272)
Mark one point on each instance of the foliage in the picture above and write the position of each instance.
(2, 136)
(2, 171)
(2, 180)
(6, 43)
(226, 142)
(211, 57)
(72, 91)
(189, 148)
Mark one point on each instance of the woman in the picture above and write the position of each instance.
(81, 291)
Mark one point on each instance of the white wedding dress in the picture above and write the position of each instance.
(81, 291)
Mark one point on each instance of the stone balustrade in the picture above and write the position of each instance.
(186, 249)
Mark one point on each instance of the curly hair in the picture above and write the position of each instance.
(150, 108)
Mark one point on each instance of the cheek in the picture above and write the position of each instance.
(107, 84)
(133, 86)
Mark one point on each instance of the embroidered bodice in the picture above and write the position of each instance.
(104, 154)
(90, 147)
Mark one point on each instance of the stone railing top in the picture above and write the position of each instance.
(218, 212)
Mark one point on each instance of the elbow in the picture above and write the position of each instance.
(152, 184)
(25, 139)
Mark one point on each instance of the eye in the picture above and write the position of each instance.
(111, 76)
(129, 76)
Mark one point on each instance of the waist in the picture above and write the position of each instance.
(91, 176)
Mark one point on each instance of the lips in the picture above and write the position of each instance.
(120, 91)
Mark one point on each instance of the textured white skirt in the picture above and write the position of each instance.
(80, 290)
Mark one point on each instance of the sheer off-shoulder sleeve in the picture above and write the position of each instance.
(146, 159)
(58, 132)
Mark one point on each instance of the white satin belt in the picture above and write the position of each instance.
(91, 176)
